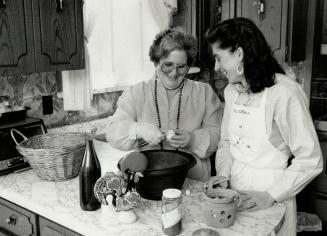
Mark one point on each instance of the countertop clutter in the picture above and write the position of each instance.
(59, 202)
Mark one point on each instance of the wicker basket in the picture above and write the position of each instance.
(54, 157)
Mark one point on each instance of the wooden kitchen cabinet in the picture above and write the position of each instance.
(41, 35)
(270, 16)
(49, 228)
(15, 220)
(16, 41)
(197, 16)
(58, 34)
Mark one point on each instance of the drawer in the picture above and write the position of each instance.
(16, 220)
(49, 228)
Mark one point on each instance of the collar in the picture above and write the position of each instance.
(241, 89)
(177, 89)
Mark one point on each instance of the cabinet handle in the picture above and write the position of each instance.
(261, 9)
(59, 6)
(11, 220)
(2, 4)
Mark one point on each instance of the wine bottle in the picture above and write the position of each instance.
(89, 173)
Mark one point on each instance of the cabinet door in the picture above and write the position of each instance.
(15, 220)
(58, 27)
(272, 21)
(49, 228)
(16, 37)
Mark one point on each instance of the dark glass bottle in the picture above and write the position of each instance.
(89, 173)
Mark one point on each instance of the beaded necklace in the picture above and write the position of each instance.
(157, 106)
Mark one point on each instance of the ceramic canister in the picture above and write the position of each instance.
(220, 207)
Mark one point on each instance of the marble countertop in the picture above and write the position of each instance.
(59, 202)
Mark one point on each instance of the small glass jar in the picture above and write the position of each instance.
(171, 211)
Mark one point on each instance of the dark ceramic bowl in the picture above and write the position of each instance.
(166, 169)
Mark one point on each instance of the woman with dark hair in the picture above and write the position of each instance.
(266, 121)
(189, 110)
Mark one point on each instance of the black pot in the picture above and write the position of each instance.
(166, 169)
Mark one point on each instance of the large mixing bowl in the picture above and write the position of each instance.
(165, 169)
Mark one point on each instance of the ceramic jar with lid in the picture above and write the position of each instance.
(220, 207)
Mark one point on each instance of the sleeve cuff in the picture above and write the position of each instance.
(277, 193)
(200, 144)
(132, 132)
(224, 174)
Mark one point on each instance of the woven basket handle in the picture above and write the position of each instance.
(18, 132)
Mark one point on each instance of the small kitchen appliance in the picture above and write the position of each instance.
(10, 159)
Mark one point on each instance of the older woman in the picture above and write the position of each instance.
(169, 101)
(266, 122)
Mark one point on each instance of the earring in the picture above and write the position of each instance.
(240, 70)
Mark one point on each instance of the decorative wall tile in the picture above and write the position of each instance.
(17, 83)
(216, 79)
(5, 88)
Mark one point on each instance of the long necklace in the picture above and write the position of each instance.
(157, 106)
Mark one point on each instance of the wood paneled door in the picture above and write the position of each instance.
(16, 37)
(41, 35)
(58, 28)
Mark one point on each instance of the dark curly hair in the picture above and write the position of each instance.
(171, 39)
(259, 63)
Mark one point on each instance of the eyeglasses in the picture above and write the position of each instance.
(167, 67)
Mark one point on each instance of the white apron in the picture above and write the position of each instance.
(257, 163)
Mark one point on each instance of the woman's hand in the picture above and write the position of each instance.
(149, 132)
(181, 138)
(255, 200)
(218, 181)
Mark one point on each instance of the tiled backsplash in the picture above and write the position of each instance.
(99, 124)
(29, 89)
